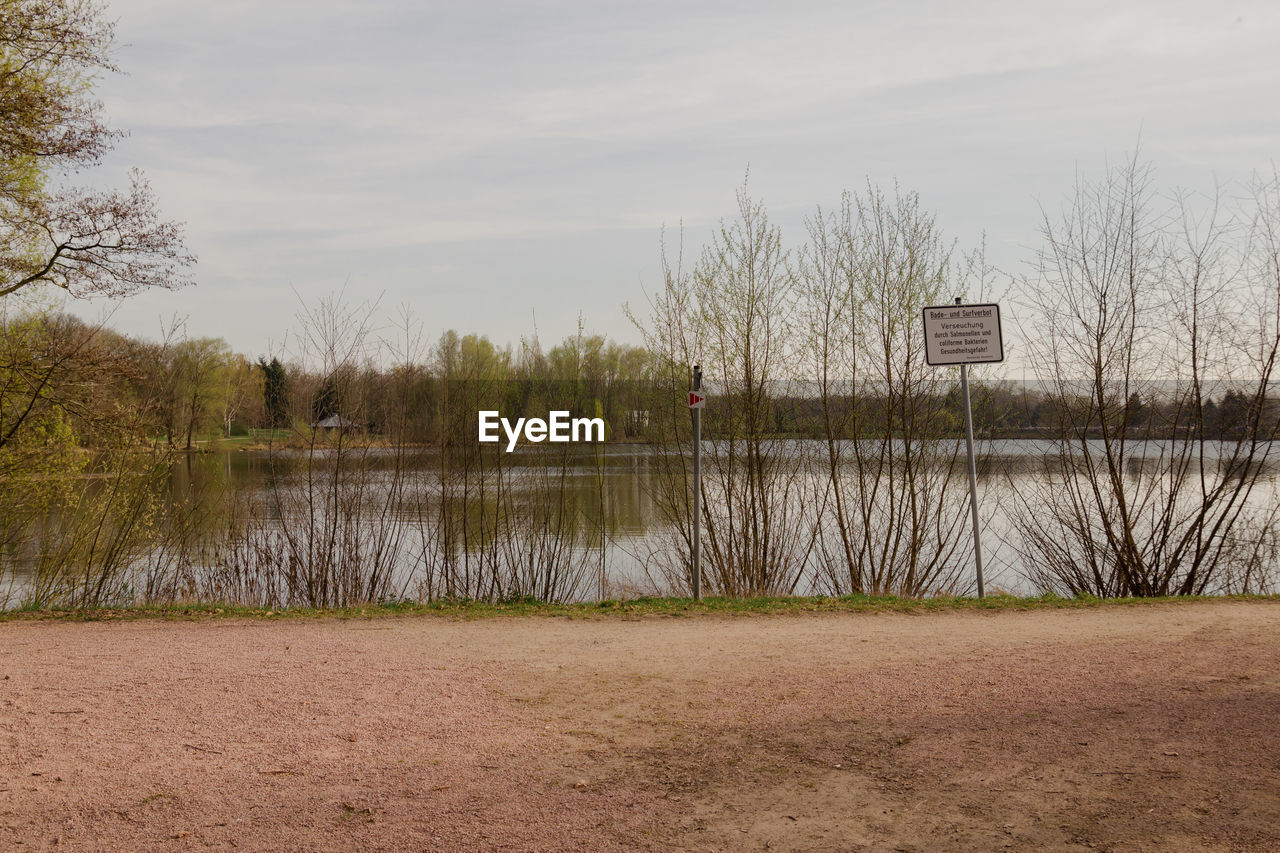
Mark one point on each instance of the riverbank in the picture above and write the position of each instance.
(1095, 727)
(637, 607)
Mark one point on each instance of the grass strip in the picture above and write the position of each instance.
(631, 608)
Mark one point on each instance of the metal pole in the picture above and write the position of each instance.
(697, 489)
(973, 470)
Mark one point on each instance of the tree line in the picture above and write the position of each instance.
(184, 391)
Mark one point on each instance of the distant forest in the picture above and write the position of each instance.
(185, 391)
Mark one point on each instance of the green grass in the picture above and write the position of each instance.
(224, 443)
(633, 608)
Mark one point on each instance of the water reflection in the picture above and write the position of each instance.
(598, 503)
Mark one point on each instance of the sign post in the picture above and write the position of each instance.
(696, 401)
(964, 335)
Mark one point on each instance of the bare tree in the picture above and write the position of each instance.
(1145, 308)
(328, 534)
(896, 505)
(734, 315)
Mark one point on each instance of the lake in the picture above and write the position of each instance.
(577, 522)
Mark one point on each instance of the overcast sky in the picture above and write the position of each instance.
(487, 163)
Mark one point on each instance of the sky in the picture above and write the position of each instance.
(509, 167)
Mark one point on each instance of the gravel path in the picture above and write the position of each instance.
(1144, 728)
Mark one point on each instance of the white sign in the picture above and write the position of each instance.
(962, 334)
(696, 400)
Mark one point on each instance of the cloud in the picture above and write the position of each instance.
(392, 138)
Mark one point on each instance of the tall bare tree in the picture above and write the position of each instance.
(734, 313)
(896, 510)
(1145, 308)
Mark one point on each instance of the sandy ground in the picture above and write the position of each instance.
(1151, 728)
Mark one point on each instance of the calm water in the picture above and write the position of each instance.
(616, 484)
(604, 496)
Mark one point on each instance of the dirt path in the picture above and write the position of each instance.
(1151, 728)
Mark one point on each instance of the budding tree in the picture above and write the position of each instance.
(84, 242)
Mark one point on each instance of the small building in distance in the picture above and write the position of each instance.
(335, 422)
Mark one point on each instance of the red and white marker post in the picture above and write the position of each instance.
(697, 400)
